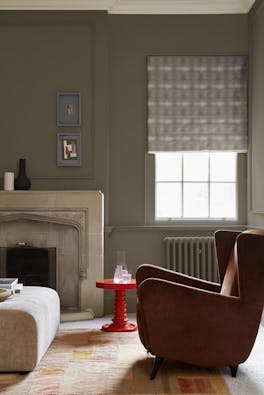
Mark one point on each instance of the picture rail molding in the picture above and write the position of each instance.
(135, 6)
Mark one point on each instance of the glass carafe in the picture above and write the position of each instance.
(120, 266)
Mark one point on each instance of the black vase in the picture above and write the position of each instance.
(22, 182)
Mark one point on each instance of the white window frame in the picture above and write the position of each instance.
(241, 197)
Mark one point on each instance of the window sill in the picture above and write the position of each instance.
(173, 227)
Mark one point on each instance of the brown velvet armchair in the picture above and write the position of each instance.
(199, 322)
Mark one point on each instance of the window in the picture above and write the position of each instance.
(196, 163)
(196, 185)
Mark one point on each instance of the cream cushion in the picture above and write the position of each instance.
(28, 324)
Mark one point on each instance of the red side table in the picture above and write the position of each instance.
(120, 321)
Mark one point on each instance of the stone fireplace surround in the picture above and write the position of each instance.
(71, 221)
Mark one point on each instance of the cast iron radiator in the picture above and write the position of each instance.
(194, 256)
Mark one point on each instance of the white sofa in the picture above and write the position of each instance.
(28, 324)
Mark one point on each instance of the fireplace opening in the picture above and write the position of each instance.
(31, 265)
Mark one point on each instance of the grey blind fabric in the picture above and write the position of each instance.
(197, 103)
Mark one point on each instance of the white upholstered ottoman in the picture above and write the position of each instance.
(28, 324)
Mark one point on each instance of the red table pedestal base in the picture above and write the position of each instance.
(120, 322)
(117, 328)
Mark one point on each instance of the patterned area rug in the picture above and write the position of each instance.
(92, 362)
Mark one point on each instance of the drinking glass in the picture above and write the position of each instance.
(126, 276)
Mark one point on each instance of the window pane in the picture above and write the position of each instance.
(195, 200)
(168, 200)
(195, 166)
(223, 200)
(168, 166)
(223, 166)
(195, 194)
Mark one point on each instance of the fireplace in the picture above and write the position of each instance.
(31, 265)
(70, 222)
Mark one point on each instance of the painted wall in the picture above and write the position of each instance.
(103, 57)
(41, 54)
(256, 115)
(131, 39)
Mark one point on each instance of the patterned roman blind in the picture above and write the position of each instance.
(197, 103)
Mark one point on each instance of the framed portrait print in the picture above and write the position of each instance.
(68, 109)
(69, 149)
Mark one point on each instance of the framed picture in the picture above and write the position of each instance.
(68, 109)
(69, 149)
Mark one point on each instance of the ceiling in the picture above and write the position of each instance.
(135, 6)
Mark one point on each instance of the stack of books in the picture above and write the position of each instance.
(11, 283)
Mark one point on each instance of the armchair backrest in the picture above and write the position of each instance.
(250, 251)
(241, 265)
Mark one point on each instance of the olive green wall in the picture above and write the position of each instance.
(104, 57)
(131, 39)
(256, 115)
(42, 53)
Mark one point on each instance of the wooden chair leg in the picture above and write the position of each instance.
(157, 364)
(233, 370)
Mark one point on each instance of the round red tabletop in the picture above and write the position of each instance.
(109, 284)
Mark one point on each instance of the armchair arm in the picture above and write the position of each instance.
(193, 325)
(151, 271)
